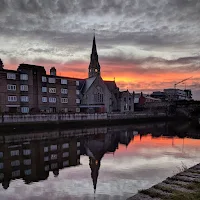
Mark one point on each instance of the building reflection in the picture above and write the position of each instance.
(33, 156)
(96, 149)
(33, 161)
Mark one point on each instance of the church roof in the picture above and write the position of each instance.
(88, 83)
(111, 85)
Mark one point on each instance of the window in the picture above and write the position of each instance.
(14, 153)
(52, 80)
(12, 98)
(11, 87)
(1, 154)
(46, 168)
(24, 99)
(44, 89)
(16, 173)
(64, 81)
(77, 100)
(27, 162)
(53, 147)
(15, 163)
(26, 152)
(54, 165)
(129, 107)
(124, 99)
(1, 165)
(46, 158)
(46, 149)
(65, 145)
(44, 99)
(44, 79)
(52, 90)
(65, 109)
(52, 99)
(78, 152)
(24, 77)
(98, 95)
(65, 163)
(64, 100)
(65, 154)
(27, 172)
(77, 110)
(78, 144)
(64, 91)
(77, 92)
(53, 156)
(25, 109)
(77, 83)
(24, 88)
(11, 76)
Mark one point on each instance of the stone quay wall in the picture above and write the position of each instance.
(28, 118)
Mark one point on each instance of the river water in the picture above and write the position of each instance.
(107, 163)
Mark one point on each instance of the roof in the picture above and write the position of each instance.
(88, 83)
(111, 85)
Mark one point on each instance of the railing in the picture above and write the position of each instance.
(72, 117)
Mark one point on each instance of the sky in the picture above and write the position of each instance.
(146, 45)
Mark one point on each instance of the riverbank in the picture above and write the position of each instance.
(74, 124)
(183, 186)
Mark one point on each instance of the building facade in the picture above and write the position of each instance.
(126, 101)
(30, 89)
(173, 94)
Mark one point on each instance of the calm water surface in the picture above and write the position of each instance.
(116, 161)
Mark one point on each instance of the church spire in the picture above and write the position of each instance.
(94, 48)
(94, 67)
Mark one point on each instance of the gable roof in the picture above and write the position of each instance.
(111, 85)
(88, 83)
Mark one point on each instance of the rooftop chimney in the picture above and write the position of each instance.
(53, 71)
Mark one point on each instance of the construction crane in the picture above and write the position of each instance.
(179, 83)
(182, 81)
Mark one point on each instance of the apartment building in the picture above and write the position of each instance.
(30, 89)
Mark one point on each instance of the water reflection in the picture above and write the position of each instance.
(123, 159)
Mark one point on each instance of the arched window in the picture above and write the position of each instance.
(98, 95)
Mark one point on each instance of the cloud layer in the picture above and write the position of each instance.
(145, 45)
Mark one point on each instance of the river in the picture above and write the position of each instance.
(106, 163)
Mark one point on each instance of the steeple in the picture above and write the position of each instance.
(94, 67)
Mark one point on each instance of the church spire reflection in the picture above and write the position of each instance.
(94, 166)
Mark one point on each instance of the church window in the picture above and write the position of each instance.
(98, 95)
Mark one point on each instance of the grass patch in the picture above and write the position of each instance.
(187, 196)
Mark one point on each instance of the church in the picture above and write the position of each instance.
(98, 95)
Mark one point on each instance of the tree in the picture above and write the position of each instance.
(1, 64)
